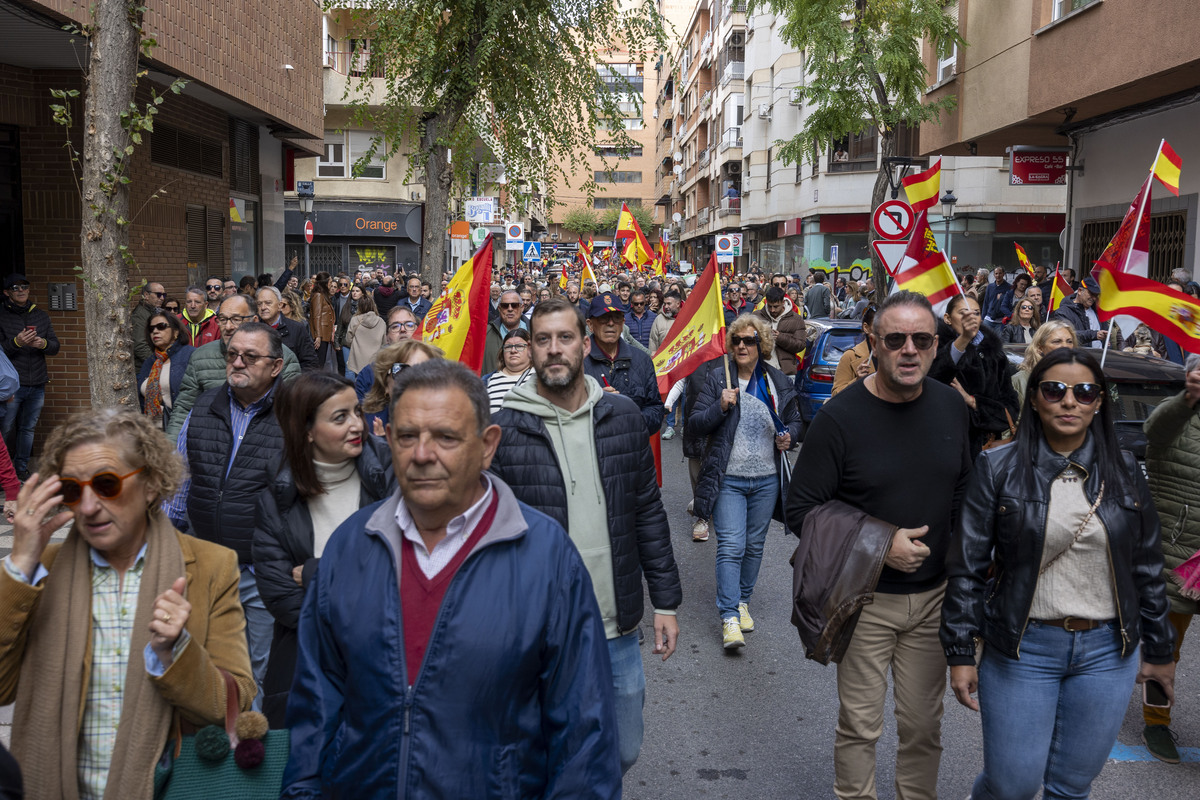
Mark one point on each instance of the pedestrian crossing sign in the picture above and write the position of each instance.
(533, 252)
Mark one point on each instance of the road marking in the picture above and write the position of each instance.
(1124, 752)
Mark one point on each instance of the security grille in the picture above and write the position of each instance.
(1168, 240)
(173, 147)
(243, 157)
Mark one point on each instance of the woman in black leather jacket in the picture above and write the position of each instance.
(1056, 566)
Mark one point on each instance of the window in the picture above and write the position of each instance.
(606, 203)
(770, 158)
(611, 151)
(333, 163)
(619, 124)
(854, 153)
(1168, 240)
(948, 66)
(244, 174)
(205, 239)
(360, 145)
(618, 176)
(622, 78)
(1064, 7)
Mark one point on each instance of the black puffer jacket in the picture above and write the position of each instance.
(637, 521)
(632, 374)
(984, 372)
(29, 362)
(1075, 315)
(719, 426)
(1003, 522)
(283, 539)
(694, 442)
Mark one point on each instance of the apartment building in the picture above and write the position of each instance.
(1105, 79)
(220, 158)
(817, 213)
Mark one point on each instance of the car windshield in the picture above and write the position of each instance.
(1133, 402)
(838, 342)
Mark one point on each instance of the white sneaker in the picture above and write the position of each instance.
(700, 531)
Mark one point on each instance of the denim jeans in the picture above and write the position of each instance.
(629, 695)
(1051, 718)
(260, 627)
(20, 419)
(741, 517)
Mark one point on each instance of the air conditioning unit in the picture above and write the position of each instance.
(796, 95)
(764, 111)
(656, 113)
(734, 167)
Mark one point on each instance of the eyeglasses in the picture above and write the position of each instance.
(158, 294)
(20, 287)
(249, 359)
(160, 326)
(748, 341)
(511, 305)
(398, 367)
(1054, 392)
(213, 287)
(894, 341)
(105, 484)
(515, 348)
(637, 304)
(402, 326)
(239, 318)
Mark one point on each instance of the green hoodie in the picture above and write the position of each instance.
(587, 511)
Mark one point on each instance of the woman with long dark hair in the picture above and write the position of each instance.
(330, 469)
(161, 377)
(322, 322)
(1056, 571)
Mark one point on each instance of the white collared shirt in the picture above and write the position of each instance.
(458, 530)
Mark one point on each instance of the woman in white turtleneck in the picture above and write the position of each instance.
(331, 468)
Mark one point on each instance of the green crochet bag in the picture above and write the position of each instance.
(214, 763)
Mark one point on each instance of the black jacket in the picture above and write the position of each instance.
(30, 362)
(984, 372)
(1015, 334)
(179, 354)
(224, 509)
(1075, 315)
(637, 521)
(694, 442)
(297, 338)
(632, 374)
(1003, 522)
(283, 539)
(719, 426)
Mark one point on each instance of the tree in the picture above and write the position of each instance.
(508, 81)
(864, 70)
(582, 221)
(643, 215)
(112, 128)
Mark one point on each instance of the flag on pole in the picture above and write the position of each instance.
(458, 319)
(1129, 249)
(659, 265)
(925, 270)
(562, 279)
(698, 333)
(1059, 291)
(639, 252)
(1024, 259)
(1167, 166)
(1173, 314)
(584, 253)
(922, 189)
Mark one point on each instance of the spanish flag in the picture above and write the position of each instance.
(585, 251)
(457, 321)
(922, 189)
(659, 265)
(562, 279)
(1024, 259)
(639, 252)
(925, 270)
(1167, 166)
(1173, 314)
(1058, 292)
(698, 333)
(586, 274)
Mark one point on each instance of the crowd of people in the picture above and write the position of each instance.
(412, 567)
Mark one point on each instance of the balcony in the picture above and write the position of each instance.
(732, 138)
(705, 49)
(734, 7)
(344, 74)
(734, 71)
(703, 159)
(730, 206)
(702, 217)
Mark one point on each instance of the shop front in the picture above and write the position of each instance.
(355, 238)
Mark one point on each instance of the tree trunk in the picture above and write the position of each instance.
(111, 78)
(878, 194)
(438, 178)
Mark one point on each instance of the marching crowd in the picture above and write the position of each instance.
(434, 582)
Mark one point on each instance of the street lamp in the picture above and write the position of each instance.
(948, 201)
(304, 195)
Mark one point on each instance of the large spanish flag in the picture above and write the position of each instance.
(457, 321)
(698, 333)
(1167, 166)
(922, 189)
(1173, 314)
(1060, 291)
(1024, 259)
(925, 269)
(638, 253)
(1129, 249)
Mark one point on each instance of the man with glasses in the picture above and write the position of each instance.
(214, 290)
(153, 295)
(511, 308)
(206, 369)
(295, 334)
(232, 444)
(619, 367)
(416, 303)
(28, 339)
(852, 452)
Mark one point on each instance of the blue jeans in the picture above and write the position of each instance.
(260, 627)
(741, 517)
(629, 695)
(20, 419)
(1051, 718)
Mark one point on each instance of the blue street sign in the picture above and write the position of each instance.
(533, 252)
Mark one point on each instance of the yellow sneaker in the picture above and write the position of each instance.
(731, 634)
(744, 618)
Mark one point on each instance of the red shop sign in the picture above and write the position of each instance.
(1038, 166)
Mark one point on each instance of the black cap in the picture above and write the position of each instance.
(14, 280)
(1091, 285)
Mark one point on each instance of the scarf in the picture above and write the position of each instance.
(154, 403)
(57, 659)
(760, 386)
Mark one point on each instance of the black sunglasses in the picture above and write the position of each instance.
(105, 484)
(749, 341)
(213, 287)
(511, 305)
(160, 326)
(894, 341)
(1055, 391)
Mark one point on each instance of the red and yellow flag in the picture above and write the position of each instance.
(584, 253)
(922, 189)
(1024, 259)
(698, 333)
(638, 253)
(659, 265)
(1167, 166)
(1173, 314)
(458, 319)
(925, 270)
(1059, 291)
(562, 279)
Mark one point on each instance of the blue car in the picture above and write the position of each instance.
(814, 378)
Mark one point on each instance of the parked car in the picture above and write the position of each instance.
(828, 339)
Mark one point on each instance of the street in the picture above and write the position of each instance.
(760, 723)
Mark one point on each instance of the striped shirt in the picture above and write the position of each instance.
(499, 384)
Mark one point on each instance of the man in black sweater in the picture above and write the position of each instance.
(895, 446)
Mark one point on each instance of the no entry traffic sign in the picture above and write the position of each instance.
(308, 231)
(894, 220)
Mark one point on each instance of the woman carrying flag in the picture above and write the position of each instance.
(750, 425)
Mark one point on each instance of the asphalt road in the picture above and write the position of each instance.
(760, 723)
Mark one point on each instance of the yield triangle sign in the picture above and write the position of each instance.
(890, 253)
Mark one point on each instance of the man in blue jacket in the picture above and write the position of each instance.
(451, 645)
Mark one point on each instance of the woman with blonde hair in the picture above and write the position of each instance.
(1050, 335)
(291, 306)
(389, 362)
